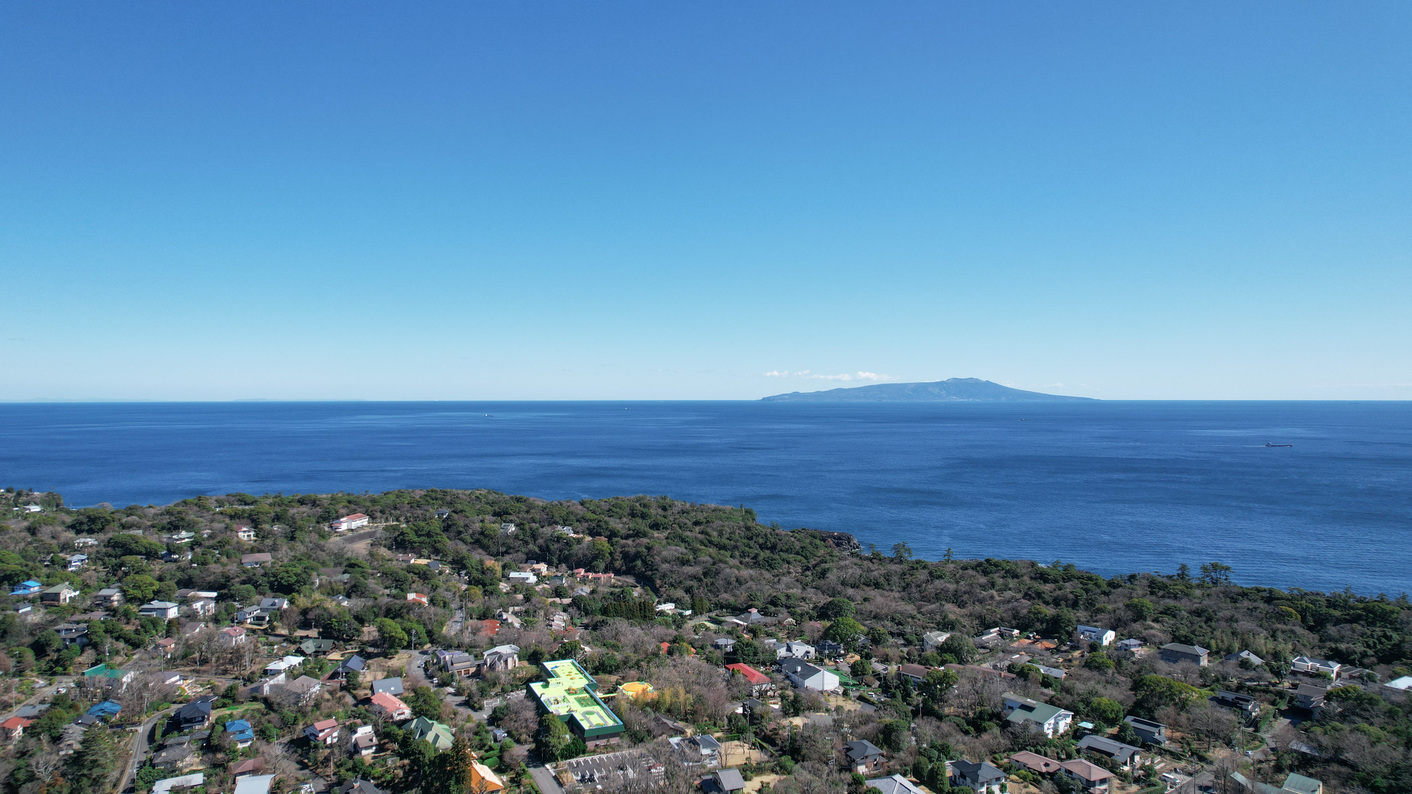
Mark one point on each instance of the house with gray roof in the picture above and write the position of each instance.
(980, 777)
(1179, 653)
(1123, 756)
(896, 784)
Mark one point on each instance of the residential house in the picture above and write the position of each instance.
(350, 522)
(896, 784)
(196, 714)
(522, 577)
(26, 588)
(1309, 697)
(724, 781)
(246, 534)
(828, 649)
(1245, 658)
(864, 757)
(389, 707)
(1245, 705)
(1130, 645)
(316, 647)
(283, 665)
(13, 728)
(699, 750)
(1294, 784)
(807, 676)
(460, 663)
(915, 673)
(322, 732)
(483, 780)
(1050, 720)
(994, 637)
(231, 636)
(1179, 653)
(1089, 777)
(202, 607)
(1095, 634)
(363, 742)
(299, 692)
(164, 610)
(77, 561)
(759, 682)
(1035, 762)
(106, 710)
(72, 633)
(192, 627)
(1123, 756)
(108, 677)
(58, 595)
(1052, 672)
(246, 768)
(439, 734)
(83, 543)
(933, 640)
(108, 597)
(500, 658)
(176, 756)
(254, 784)
(980, 777)
(1148, 731)
(799, 650)
(507, 529)
(389, 686)
(419, 598)
(354, 664)
(256, 559)
(1303, 664)
(241, 733)
(359, 786)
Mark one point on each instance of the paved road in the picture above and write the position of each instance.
(142, 745)
(544, 779)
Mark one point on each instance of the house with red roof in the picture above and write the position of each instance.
(759, 682)
(390, 707)
(14, 728)
(350, 522)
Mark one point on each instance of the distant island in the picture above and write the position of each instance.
(951, 390)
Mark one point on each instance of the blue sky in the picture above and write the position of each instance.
(670, 200)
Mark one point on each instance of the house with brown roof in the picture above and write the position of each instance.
(1035, 762)
(1089, 777)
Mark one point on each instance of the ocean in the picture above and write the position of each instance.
(1113, 487)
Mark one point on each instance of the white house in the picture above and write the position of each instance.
(77, 561)
(523, 577)
(246, 534)
(166, 610)
(283, 665)
(933, 640)
(807, 676)
(1103, 637)
(324, 732)
(350, 522)
(1303, 664)
(799, 650)
(1050, 720)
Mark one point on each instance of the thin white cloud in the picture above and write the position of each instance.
(843, 376)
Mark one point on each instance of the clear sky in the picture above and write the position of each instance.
(569, 200)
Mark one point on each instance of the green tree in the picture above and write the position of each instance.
(901, 552)
(390, 635)
(1141, 608)
(836, 608)
(1104, 710)
(88, 770)
(139, 588)
(553, 740)
(957, 647)
(845, 631)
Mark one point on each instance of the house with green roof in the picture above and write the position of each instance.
(108, 676)
(571, 694)
(439, 734)
(1049, 720)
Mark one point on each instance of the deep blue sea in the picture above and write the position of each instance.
(1113, 487)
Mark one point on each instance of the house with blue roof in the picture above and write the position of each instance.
(106, 710)
(27, 588)
(241, 734)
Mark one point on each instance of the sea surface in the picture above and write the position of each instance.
(1114, 487)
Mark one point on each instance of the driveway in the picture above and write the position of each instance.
(544, 779)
